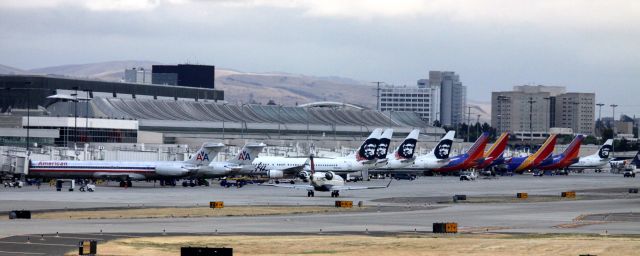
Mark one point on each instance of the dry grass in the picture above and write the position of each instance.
(351, 245)
(190, 212)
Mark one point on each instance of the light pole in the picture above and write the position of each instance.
(613, 117)
(531, 101)
(28, 119)
(75, 115)
(599, 123)
(279, 121)
(378, 95)
(547, 116)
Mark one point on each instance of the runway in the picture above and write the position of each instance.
(597, 194)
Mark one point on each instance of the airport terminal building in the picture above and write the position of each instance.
(90, 111)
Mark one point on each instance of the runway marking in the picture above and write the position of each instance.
(25, 243)
(25, 253)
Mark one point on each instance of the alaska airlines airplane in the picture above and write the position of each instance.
(520, 164)
(240, 164)
(362, 160)
(403, 156)
(382, 149)
(325, 182)
(125, 171)
(568, 157)
(471, 158)
(597, 160)
(439, 155)
(494, 156)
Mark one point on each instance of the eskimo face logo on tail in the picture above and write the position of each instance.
(202, 156)
(406, 149)
(383, 148)
(443, 149)
(605, 151)
(368, 149)
(244, 155)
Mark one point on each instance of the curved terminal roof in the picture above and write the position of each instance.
(330, 104)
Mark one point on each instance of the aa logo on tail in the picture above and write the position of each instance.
(202, 156)
(244, 155)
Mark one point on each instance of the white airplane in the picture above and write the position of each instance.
(383, 148)
(403, 156)
(439, 155)
(325, 182)
(597, 160)
(362, 160)
(125, 171)
(240, 164)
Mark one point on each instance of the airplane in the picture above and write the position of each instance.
(568, 157)
(520, 164)
(597, 160)
(125, 171)
(469, 159)
(240, 164)
(494, 156)
(361, 160)
(383, 148)
(439, 155)
(325, 182)
(403, 156)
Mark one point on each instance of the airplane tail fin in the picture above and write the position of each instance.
(248, 153)
(383, 146)
(636, 159)
(605, 151)
(407, 148)
(477, 149)
(367, 150)
(547, 148)
(573, 150)
(205, 154)
(499, 146)
(443, 149)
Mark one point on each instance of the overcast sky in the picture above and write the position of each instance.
(587, 46)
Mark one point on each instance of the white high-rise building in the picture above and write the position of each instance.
(453, 96)
(137, 75)
(409, 99)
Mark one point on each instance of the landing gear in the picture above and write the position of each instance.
(310, 193)
(335, 193)
(126, 184)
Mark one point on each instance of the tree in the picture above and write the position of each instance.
(607, 133)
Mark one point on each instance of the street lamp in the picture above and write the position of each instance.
(531, 101)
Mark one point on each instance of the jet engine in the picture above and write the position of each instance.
(171, 171)
(275, 174)
(328, 175)
(303, 175)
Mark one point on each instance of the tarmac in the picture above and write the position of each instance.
(603, 206)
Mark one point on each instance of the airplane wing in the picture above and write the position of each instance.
(303, 187)
(334, 188)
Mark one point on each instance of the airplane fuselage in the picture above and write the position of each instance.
(104, 169)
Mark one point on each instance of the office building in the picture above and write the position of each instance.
(419, 100)
(453, 96)
(532, 110)
(137, 75)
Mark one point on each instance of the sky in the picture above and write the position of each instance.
(587, 46)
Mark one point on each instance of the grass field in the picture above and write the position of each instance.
(351, 245)
(188, 212)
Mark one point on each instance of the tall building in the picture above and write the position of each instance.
(137, 75)
(532, 110)
(184, 75)
(419, 100)
(453, 96)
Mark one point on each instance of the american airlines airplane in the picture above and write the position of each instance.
(240, 164)
(125, 171)
(597, 160)
(325, 182)
(362, 160)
